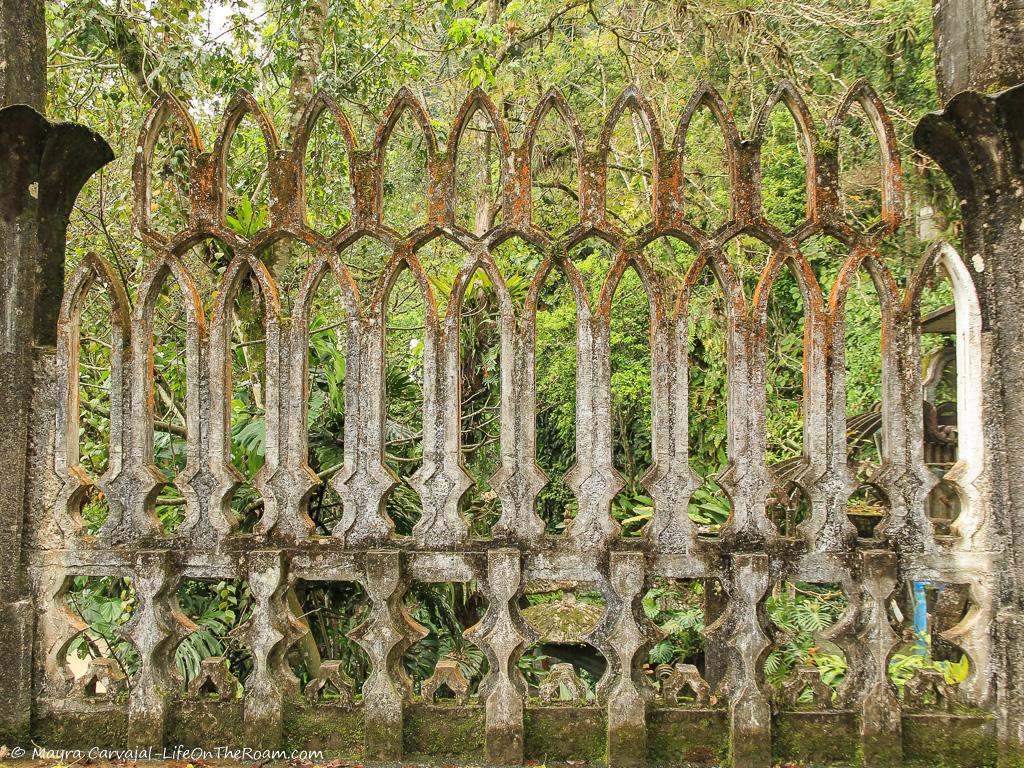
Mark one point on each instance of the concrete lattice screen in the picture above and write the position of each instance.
(500, 723)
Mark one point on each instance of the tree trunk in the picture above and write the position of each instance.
(309, 46)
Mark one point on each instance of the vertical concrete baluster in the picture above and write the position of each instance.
(503, 634)
(750, 727)
(268, 634)
(627, 640)
(151, 630)
(881, 730)
(385, 636)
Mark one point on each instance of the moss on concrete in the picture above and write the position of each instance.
(675, 736)
(565, 733)
(817, 738)
(335, 730)
(451, 732)
(202, 723)
(938, 740)
(105, 727)
(687, 736)
(627, 745)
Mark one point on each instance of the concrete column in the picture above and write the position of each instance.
(386, 635)
(979, 142)
(977, 45)
(45, 166)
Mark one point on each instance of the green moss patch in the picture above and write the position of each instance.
(557, 734)
(817, 738)
(938, 740)
(335, 730)
(104, 726)
(202, 723)
(687, 737)
(454, 733)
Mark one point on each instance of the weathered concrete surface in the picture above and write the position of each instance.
(978, 45)
(45, 166)
(747, 559)
(23, 53)
(979, 142)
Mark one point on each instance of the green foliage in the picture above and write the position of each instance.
(709, 506)
(678, 610)
(331, 610)
(103, 604)
(218, 609)
(906, 661)
(803, 611)
(446, 610)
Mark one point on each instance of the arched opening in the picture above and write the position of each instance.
(365, 260)
(683, 670)
(288, 260)
(170, 400)
(97, 658)
(748, 256)
(706, 172)
(214, 610)
(404, 198)
(784, 338)
(206, 262)
(441, 258)
(330, 667)
(783, 171)
(480, 399)
(478, 175)
(326, 177)
(247, 179)
(248, 386)
(95, 357)
(445, 666)
(555, 175)
(805, 666)
(563, 668)
(707, 368)
(593, 258)
(949, 320)
(928, 665)
(860, 170)
(555, 365)
(328, 324)
(630, 173)
(169, 168)
(862, 343)
(632, 441)
(939, 394)
(405, 329)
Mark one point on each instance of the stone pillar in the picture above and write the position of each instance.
(151, 630)
(23, 53)
(977, 45)
(979, 142)
(269, 634)
(503, 634)
(44, 168)
(626, 643)
(750, 724)
(386, 635)
(881, 734)
(716, 661)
